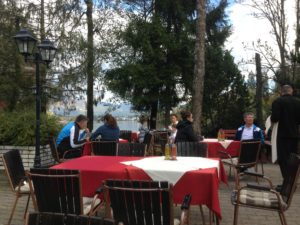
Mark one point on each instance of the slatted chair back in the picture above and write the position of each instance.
(193, 149)
(38, 218)
(249, 153)
(138, 149)
(17, 178)
(106, 148)
(229, 134)
(159, 141)
(14, 168)
(53, 148)
(56, 190)
(140, 202)
(126, 134)
(124, 149)
(290, 182)
(148, 140)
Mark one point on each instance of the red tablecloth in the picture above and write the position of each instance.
(202, 184)
(134, 137)
(87, 148)
(213, 147)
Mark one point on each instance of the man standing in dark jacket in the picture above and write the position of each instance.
(286, 111)
(185, 132)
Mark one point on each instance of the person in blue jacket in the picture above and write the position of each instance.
(249, 131)
(109, 131)
(72, 137)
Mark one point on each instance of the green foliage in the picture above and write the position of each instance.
(18, 128)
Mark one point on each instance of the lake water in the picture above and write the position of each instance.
(123, 125)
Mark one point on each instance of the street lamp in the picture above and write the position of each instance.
(46, 51)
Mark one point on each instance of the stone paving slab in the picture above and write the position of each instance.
(247, 216)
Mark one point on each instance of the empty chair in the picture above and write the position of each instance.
(160, 138)
(18, 181)
(248, 156)
(229, 134)
(143, 202)
(126, 134)
(148, 140)
(60, 191)
(55, 154)
(266, 197)
(131, 149)
(193, 149)
(64, 219)
(106, 148)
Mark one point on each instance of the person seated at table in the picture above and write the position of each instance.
(174, 121)
(109, 131)
(72, 137)
(249, 131)
(185, 131)
(143, 129)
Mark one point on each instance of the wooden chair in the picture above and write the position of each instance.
(18, 181)
(160, 138)
(131, 149)
(193, 149)
(126, 134)
(248, 156)
(106, 148)
(266, 197)
(229, 134)
(37, 218)
(148, 140)
(55, 154)
(60, 191)
(143, 202)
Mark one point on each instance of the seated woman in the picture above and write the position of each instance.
(72, 137)
(185, 131)
(109, 131)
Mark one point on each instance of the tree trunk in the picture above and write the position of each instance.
(259, 90)
(153, 116)
(199, 69)
(90, 64)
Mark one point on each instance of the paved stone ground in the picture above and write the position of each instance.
(247, 216)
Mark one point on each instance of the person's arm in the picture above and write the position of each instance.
(96, 133)
(275, 111)
(74, 136)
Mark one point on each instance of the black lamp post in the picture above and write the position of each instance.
(26, 45)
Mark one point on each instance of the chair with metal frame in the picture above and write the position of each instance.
(192, 149)
(143, 202)
(148, 140)
(126, 134)
(46, 218)
(17, 178)
(131, 149)
(55, 154)
(248, 156)
(105, 148)
(229, 134)
(60, 191)
(266, 197)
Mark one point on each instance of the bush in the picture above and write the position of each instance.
(18, 128)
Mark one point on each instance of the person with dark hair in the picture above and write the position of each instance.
(185, 131)
(249, 131)
(73, 136)
(143, 129)
(286, 111)
(109, 131)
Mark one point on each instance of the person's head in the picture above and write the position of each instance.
(249, 118)
(286, 90)
(82, 121)
(110, 120)
(173, 118)
(186, 115)
(143, 119)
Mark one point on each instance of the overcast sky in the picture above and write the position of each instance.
(247, 29)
